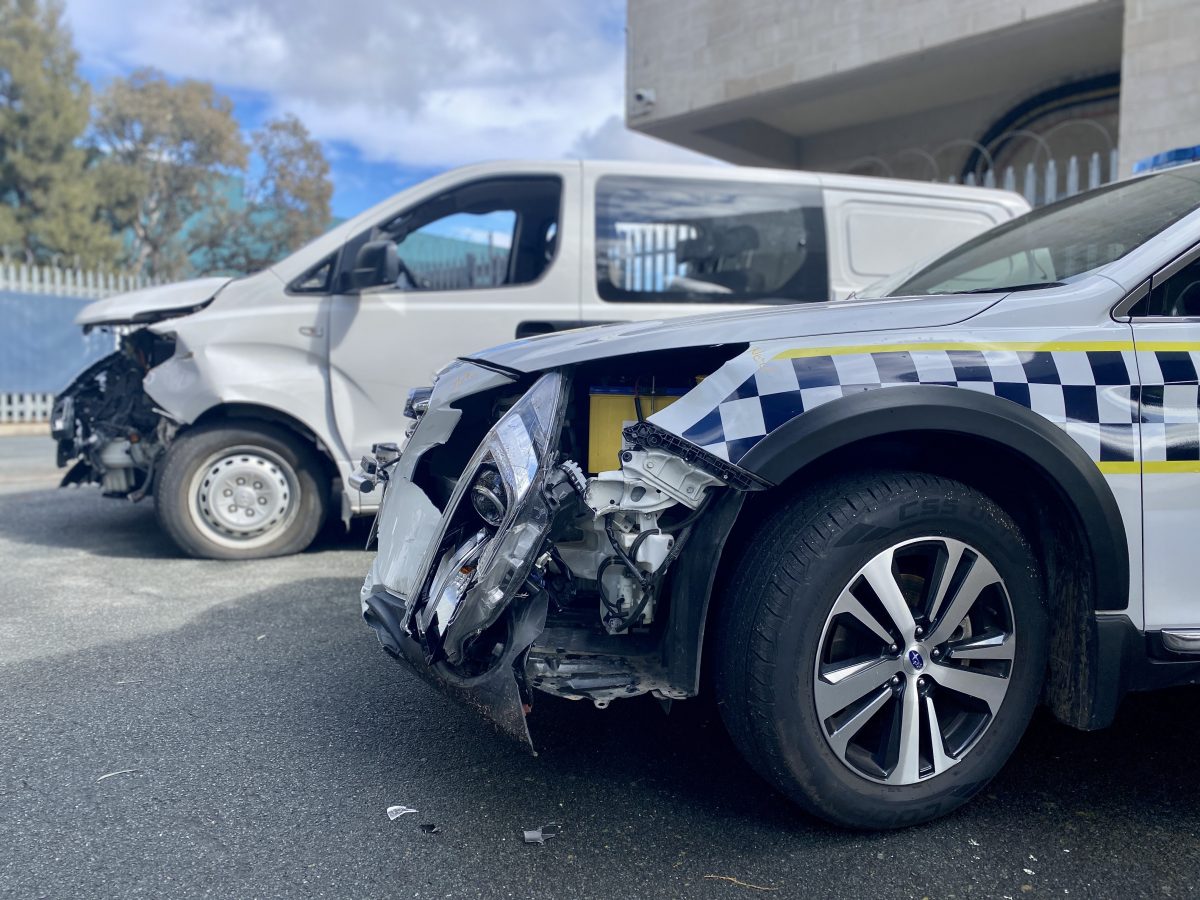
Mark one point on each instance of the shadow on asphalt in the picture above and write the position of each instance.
(276, 716)
(361, 702)
(80, 518)
(271, 732)
(1145, 759)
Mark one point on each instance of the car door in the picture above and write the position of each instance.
(482, 262)
(1166, 330)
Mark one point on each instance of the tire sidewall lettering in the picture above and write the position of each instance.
(939, 507)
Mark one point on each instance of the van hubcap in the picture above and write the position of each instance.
(914, 660)
(243, 496)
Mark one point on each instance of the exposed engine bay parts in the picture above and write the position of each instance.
(106, 422)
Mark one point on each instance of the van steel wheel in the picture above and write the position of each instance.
(880, 647)
(243, 497)
(240, 491)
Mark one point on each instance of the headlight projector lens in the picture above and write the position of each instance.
(489, 497)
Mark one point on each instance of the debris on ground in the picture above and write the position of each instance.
(395, 812)
(130, 681)
(745, 884)
(119, 772)
(543, 834)
(430, 828)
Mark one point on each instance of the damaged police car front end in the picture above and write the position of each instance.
(513, 561)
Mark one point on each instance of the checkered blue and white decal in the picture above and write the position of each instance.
(1089, 390)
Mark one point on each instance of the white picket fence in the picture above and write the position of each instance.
(484, 270)
(85, 284)
(25, 408)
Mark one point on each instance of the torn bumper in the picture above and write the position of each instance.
(499, 694)
(455, 594)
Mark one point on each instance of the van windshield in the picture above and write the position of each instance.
(1056, 243)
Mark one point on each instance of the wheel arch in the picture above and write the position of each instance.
(256, 412)
(1064, 506)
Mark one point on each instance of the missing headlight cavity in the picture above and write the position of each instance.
(439, 468)
(627, 514)
(106, 422)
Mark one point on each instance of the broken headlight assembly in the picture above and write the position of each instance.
(489, 496)
(488, 545)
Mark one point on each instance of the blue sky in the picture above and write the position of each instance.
(394, 91)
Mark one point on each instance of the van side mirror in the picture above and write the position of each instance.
(375, 264)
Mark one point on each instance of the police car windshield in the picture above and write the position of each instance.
(1058, 242)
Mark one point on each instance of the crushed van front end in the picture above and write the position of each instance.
(106, 427)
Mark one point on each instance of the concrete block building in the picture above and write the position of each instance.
(966, 90)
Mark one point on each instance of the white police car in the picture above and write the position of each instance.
(881, 531)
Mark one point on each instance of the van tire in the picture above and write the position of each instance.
(244, 491)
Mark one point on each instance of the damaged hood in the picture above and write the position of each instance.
(792, 321)
(151, 304)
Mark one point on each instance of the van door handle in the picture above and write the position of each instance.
(313, 331)
(532, 328)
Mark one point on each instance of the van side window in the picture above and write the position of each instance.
(316, 280)
(680, 240)
(485, 234)
(1177, 297)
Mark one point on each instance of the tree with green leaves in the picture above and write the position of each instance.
(168, 153)
(49, 206)
(285, 202)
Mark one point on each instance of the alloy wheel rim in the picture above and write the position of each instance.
(243, 497)
(915, 660)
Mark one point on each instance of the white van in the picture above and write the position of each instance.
(241, 405)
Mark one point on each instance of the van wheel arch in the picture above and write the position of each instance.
(233, 411)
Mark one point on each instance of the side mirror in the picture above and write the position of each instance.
(375, 264)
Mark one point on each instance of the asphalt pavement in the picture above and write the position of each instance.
(258, 734)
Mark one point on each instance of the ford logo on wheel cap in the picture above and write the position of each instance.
(916, 660)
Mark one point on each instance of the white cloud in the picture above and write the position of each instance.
(612, 140)
(425, 85)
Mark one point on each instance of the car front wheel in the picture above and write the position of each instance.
(881, 647)
(242, 491)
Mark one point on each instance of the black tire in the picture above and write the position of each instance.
(299, 481)
(778, 604)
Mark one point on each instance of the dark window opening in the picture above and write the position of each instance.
(316, 280)
(1177, 297)
(678, 240)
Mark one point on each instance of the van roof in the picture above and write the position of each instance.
(870, 183)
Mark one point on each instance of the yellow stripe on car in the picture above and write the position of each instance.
(1009, 346)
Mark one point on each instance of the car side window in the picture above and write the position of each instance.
(1177, 297)
(485, 234)
(691, 240)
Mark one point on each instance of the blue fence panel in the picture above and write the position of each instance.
(41, 347)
